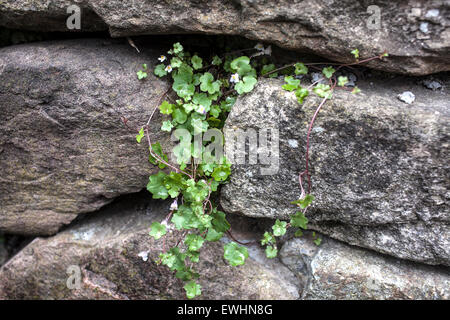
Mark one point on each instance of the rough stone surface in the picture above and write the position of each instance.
(63, 147)
(108, 247)
(338, 271)
(415, 33)
(380, 170)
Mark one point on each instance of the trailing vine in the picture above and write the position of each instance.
(205, 93)
(325, 91)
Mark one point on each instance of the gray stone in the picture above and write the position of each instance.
(63, 147)
(115, 256)
(336, 271)
(318, 77)
(379, 168)
(407, 97)
(328, 28)
(432, 84)
(424, 27)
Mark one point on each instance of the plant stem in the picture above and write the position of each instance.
(234, 239)
(307, 144)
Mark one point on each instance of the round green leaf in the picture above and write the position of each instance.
(235, 254)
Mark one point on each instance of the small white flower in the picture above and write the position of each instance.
(234, 78)
(162, 58)
(143, 255)
(268, 50)
(168, 68)
(201, 109)
(259, 47)
(174, 205)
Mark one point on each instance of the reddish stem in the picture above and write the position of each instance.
(236, 240)
(307, 146)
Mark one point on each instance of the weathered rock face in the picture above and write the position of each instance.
(108, 248)
(379, 167)
(63, 147)
(415, 33)
(47, 15)
(335, 271)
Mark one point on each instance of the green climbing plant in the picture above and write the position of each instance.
(205, 91)
(202, 94)
(323, 88)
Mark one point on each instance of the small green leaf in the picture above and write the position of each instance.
(215, 111)
(268, 238)
(219, 222)
(298, 233)
(323, 90)
(328, 72)
(174, 184)
(268, 68)
(304, 202)
(166, 108)
(193, 289)
(241, 65)
(175, 62)
(140, 135)
(199, 125)
(301, 94)
(183, 89)
(342, 81)
(221, 173)
(156, 148)
(235, 254)
(300, 68)
(194, 242)
(185, 275)
(271, 252)
(207, 83)
(167, 126)
(177, 48)
(141, 74)
(156, 186)
(157, 230)
(196, 62)
(318, 241)
(194, 256)
(188, 107)
(160, 70)
(246, 85)
(182, 153)
(179, 116)
(279, 228)
(174, 259)
(228, 103)
(196, 191)
(216, 61)
(202, 99)
(299, 220)
(184, 218)
(355, 53)
(213, 235)
(356, 90)
(291, 83)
